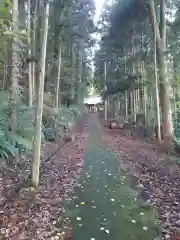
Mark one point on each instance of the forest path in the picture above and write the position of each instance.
(104, 205)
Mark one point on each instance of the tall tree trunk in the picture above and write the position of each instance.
(105, 88)
(131, 104)
(58, 76)
(163, 22)
(174, 104)
(164, 84)
(144, 87)
(5, 66)
(158, 120)
(15, 50)
(30, 87)
(134, 105)
(126, 104)
(39, 109)
(15, 62)
(34, 49)
(126, 91)
(74, 69)
(80, 66)
(117, 107)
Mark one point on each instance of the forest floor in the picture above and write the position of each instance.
(103, 185)
(37, 213)
(155, 173)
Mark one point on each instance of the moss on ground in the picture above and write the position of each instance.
(105, 207)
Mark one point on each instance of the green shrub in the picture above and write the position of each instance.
(60, 121)
(12, 142)
(21, 139)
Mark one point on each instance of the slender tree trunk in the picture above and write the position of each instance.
(73, 59)
(134, 105)
(164, 84)
(144, 91)
(157, 92)
(163, 22)
(126, 91)
(138, 100)
(34, 50)
(131, 104)
(105, 88)
(30, 87)
(5, 67)
(15, 62)
(126, 104)
(39, 110)
(174, 104)
(15, 50)
(133, 92)
(118, 107)
(58, 76)
(80, 68)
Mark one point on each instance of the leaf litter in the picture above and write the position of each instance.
(154, 174)
(39, 213)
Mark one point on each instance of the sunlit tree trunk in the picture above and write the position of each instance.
(157, 92)
(39, 108)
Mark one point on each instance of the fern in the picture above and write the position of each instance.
(13, 142)
(21, 142)
(7, 148)
(55, 122)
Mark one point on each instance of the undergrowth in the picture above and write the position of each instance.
(14, 141)
(61, 122)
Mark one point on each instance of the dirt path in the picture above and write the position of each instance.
(104, 206)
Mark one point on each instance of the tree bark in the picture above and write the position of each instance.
(58, 76)
(126, 104)
(144, 91)
(158, 120)
(15, 63)
(34, 50)
(80, 65)
(105, 88)
(164, 84)
(30, 87)
(39, 109)
(5, 66)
